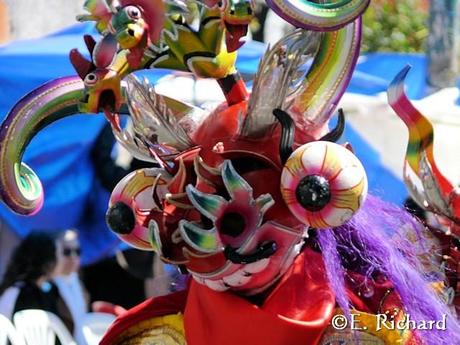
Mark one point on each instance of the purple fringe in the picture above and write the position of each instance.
(373, 241)
(335, 271)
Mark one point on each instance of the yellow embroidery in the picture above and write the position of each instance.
(164, 330)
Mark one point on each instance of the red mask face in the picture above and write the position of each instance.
(233, 229)
(229, 233)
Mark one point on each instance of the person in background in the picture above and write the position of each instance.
(26, 283)
(68, 282)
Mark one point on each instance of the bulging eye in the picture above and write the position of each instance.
(91, 79)
(133, 12)
(323, 184)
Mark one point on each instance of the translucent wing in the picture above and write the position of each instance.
(135, 147)
(279, 75)
(160, 120)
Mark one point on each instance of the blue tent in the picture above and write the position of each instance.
(60, 153)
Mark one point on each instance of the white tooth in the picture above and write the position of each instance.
(198, 279)
(236, 279)
(257, 266)
(216, 285)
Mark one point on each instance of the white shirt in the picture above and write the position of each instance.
(71, 292)
(8, 301)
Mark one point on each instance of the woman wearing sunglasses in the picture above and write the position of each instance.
(68, 282)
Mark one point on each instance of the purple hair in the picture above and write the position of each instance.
(374, 240)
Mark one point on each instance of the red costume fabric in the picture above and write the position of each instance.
(296, 312)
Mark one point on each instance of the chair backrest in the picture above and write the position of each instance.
(8, 332)
(40, 327)
(95, 325)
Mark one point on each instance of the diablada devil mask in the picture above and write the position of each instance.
(236, 191)
(237, 187)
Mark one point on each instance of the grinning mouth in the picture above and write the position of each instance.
(263, 251)
(107, 100)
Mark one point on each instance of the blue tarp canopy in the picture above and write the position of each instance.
(60, 155)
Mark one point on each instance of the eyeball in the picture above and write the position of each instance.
(323, 184)
(222, 4)
(133, 214)
(133, 12)
(91, 79)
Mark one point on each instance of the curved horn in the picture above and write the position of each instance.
(328, 77)
(20, 188)
(309, 15)
(419, 160)
(337, 132)
(287, 133)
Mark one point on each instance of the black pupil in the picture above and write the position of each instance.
(120, 218)
(232, 224)
(313, 192)
(91, 77)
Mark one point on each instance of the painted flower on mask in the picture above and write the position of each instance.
(232, 220)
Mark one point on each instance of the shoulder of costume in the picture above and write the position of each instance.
(157, 310)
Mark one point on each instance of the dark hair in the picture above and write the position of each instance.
(34, 257)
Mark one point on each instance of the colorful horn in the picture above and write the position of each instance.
(320, 17)
(435, 188)
(328, 76)
(335, 134)
(20, 188)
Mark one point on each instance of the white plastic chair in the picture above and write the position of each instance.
(8, 332)
(40, 327)
(95, 325)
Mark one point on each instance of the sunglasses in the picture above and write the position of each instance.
(70, 251)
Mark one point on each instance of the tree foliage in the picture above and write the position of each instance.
(399, 26)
